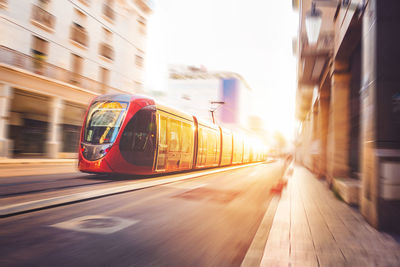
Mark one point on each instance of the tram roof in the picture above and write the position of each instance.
(122, 97)
(114, 97)
(207, 124)
(226, 130)
(174, 111)
(160, 106)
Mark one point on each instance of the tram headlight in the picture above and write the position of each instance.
(83, 148)
(95, 152)
(105, 151)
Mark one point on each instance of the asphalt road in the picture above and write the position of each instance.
(14, 186)
(206, 221)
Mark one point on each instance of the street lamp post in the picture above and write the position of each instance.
(212, 110)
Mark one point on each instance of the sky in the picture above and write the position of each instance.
(250, 37)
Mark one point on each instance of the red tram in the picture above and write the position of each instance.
(132, 134)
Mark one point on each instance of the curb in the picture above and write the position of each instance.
(255, 252)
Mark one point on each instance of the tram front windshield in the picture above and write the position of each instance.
(103, 121)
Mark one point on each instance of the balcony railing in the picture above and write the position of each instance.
(42, 17)
(41, 67)
(109, 12)
(106, 51)
(79, 34)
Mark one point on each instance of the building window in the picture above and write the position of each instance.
(41, 17)
(39, 46)
(39, 53)
(76, 68)
(3, 3)
(44, 4)
(142, 22)
(80, 18)
(108, 10)
(107, 36)
(105, 49)
(79, 34)
(139, 60)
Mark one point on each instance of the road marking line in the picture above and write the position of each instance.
(60, 200)
(256, 250)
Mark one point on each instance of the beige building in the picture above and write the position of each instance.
(55, 56)
(348, 103)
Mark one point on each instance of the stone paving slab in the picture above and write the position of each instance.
(313, 228)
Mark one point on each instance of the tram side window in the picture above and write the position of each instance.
(163, 130)
(212, 143)
(162, 145)
(143, 133)
(200, 140)
(227, 144)
(212, 149)
(200, 146)
(209, 141)
(187, 136)
(174, 135)
(206, 141)
(139, 138)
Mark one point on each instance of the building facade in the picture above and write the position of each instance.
(348, 104)
(55, 56)
(194, 89)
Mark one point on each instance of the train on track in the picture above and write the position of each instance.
(132, 134)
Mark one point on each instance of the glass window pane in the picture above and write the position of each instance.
(138, 139)
(187, 136)
(103, 121)
(163, 130)
(174, 135)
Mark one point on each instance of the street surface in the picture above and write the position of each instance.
(210, 220)
(26, 167)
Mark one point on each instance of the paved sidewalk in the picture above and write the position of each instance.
(313, 228)
(39, 166)
(8, 161)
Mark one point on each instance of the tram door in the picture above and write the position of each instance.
(162, 143)
(202, 147)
